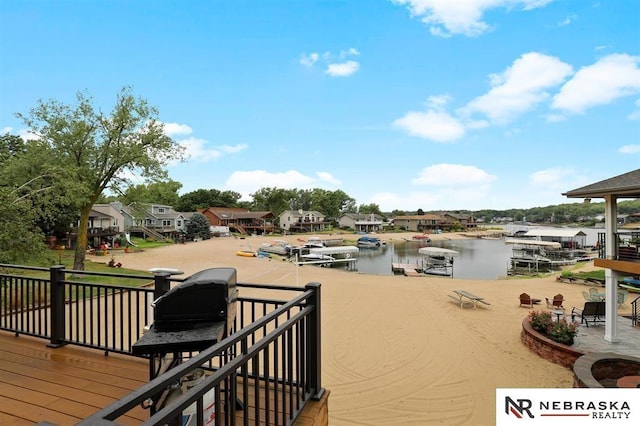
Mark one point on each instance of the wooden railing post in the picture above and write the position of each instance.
(315, 342)
(57, 318)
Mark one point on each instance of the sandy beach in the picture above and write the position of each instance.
(397, 350)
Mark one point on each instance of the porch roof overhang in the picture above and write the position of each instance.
(626, 185)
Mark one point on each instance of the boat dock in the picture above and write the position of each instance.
(407, 269)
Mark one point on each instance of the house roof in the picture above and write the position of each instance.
(626, 185)
(297, 213)
(229, 213)
(357, 216)
(428, 216)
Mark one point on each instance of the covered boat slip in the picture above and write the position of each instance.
(329, 255)
(436, 261)
(533, 256)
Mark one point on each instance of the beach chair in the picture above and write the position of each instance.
(556, 302)
(592, 311)
(526, 300)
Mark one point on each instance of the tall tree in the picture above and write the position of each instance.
(275, 200)
(165, 192)
(101, 151)
(370, 208)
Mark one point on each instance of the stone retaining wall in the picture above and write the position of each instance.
(547, 348)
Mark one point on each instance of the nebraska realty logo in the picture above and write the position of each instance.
(579, 406)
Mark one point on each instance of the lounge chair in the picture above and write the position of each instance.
(556, 302)
(622, 297)
(592, 311)
(526, 300)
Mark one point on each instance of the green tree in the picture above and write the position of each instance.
(203, 198)
(275, 200)
(30, 182)
(165, 193)
(99, 152)
(198, 227)
(20, 238)
(370, 208)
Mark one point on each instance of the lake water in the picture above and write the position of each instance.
(478, 259)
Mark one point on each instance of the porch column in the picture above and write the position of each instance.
(611, 277)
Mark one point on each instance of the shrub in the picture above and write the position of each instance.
(567, 274)
(559, 331)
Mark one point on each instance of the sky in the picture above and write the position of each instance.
(407, 104)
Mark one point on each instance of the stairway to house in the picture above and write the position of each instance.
(148, 233)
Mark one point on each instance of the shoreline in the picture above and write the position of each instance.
(396, 349)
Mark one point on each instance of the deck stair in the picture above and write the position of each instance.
(148, 233)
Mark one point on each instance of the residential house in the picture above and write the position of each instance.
(156, 221)
(466, 221)
(619, 251)
(425, 223)
(302, 221)
(361, 222)
(105, 224)
(240, 220)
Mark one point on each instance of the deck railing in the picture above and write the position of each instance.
(635, 311)
(270, 367)
(627, 246)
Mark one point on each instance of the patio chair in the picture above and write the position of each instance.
(592, 311)
(526, 300)
(622, 297)
(556, 302)
(596, 296)
(586, 296)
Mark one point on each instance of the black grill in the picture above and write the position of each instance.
(203, 298)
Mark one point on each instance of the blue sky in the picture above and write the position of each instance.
(408, 104)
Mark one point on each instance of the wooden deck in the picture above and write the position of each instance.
(65, 385)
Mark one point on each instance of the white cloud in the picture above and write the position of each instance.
(556, 179)
(518, 89)
(351, 52)
(567, 21)
(328, 177)
(629, 149)
(438, 102)
(448, 17)
(174, 129)
(310, 59)
(232, 149)
(453, 175)
(610, 78)
(343, 69)
(25, 134)
(197, 150)
(433, 125)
